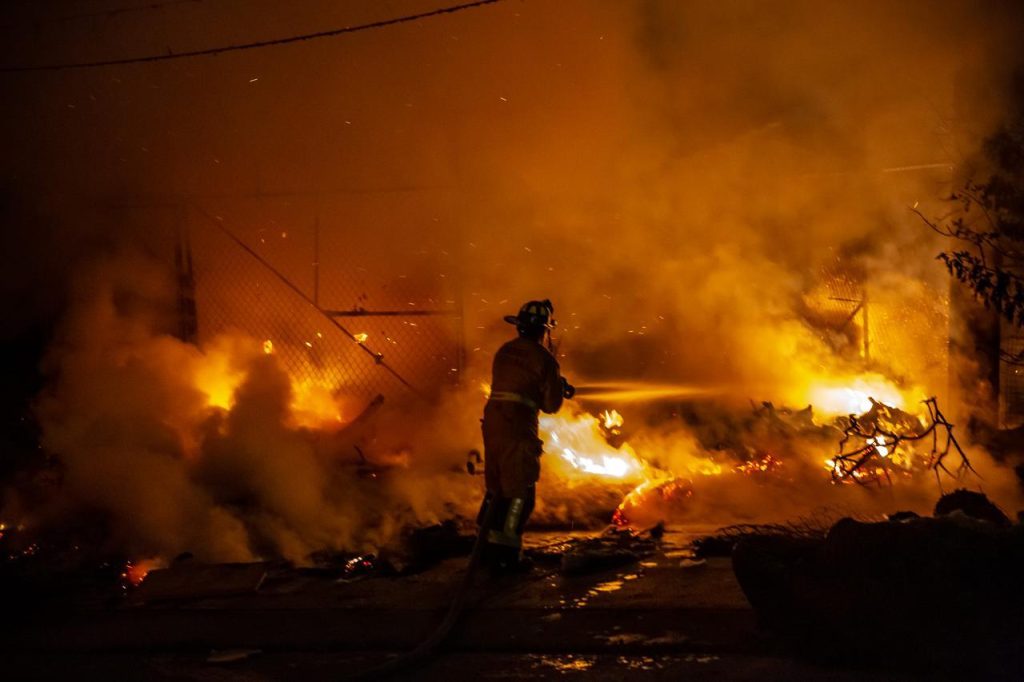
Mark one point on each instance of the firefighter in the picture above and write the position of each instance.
(525, 380)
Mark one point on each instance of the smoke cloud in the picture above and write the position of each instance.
(693, 184)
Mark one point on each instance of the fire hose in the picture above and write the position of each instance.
(441, 632)
(455, 607)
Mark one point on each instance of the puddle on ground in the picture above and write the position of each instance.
(621, 639)
(568, 663)
(608, 586)
(639, 662)
(599, 589)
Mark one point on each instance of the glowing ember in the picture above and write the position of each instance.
(661, 491)
(764, 465)
(268, 346)
(136, 571)
(361, 337)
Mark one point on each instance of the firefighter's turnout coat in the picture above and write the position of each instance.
(525, 381)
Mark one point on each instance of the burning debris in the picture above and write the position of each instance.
(669, 494)
(136, 571)
(883, 439)
(226, 452)
(772, 449)
(613, 548)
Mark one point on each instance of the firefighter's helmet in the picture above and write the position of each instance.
(534, 315)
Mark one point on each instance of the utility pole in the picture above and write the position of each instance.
(188, 319)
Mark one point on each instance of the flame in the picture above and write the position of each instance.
(218, 376)
(612, 420)
(880, 447)
(221, 369)
(766, 464)
(582, 447)
(136, 571)
(900, 457)
(852, 395)
(579, 442)
(664, 488)
(314, 405)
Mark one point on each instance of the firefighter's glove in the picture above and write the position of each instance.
(568, 390)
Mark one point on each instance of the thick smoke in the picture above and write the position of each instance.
(681, 178)
(141, 448)
(733, 155)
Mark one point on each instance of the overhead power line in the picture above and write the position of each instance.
(250, 46)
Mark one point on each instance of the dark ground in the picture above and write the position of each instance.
(651, 620)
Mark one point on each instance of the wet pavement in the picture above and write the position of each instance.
(667, 616)
(327, 666)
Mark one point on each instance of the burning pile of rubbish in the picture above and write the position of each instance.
(225, 453)
(771, 446)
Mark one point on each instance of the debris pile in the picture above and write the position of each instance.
(613, 548)
(418, 550)
(928, 589)
(882, 440)
(722, 542)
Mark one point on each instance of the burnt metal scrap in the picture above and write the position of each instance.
(884, 435)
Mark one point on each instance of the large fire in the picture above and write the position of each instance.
(853, 395)
(315, 404)
(581, 441)
(585, 450)
(583, 445)
(587, 446)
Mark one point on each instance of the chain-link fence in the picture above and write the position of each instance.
(1011, 378)
(895, 325)
(337, 289)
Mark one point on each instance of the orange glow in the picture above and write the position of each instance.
(852, 395)
(671, 490)
(895, 456)
(578, 441)
(218, 377)
(222, 368)
(612, 420)
(766, 464)
(314, 405)
(136, 571)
